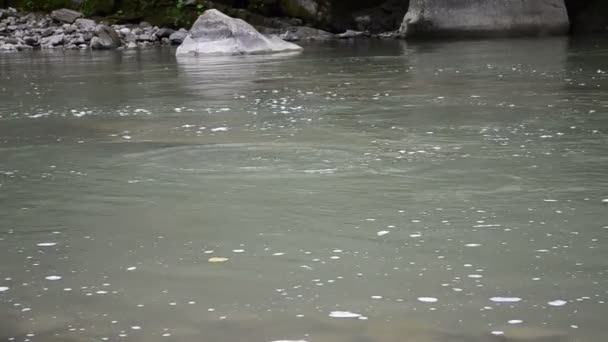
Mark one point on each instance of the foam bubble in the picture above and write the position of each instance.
(382, 232)
(3, 288)
(53, 277)
(557, 302)
(505, 299)
(344, 314)
(428, 299)
(46, 244)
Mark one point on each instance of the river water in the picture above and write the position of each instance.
(356, 192)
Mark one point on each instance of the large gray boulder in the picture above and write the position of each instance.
(449, 18)
(65, 15)
(105, 38)
(216, 33)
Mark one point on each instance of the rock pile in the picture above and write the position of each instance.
(67, 29)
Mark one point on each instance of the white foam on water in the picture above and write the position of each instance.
(219, 129)
(136, 327)
(289, 341)
(3, 288)
(515, 321)
(473, 244)
(605, 200)
(497, 333)
(558, 302)
(382, 232)
(475, 276)
(46, 244)
(53, 277)
(428, 299)
(344, 314)
(376, 297)
(238, 250)
(132, 268)
(278, 254)
(505, 299)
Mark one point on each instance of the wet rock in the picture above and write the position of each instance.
(8, 47)
(105, 38)
(178, 36)
(389, 35)
(22, 47)
(146, 37)
(52, 41)
(349, 34)
(66, 15)
(31, 41)
(216, 33)
(145, 24)
(125, 31)
(85, 24)
(69, 28)
(131, 45)
(164, 33)
(130, 38)
(306, 33)
(444, 18)
(11, 40)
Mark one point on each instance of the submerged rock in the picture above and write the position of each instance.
(306, 33)
(216, 33)
(445, 18)
(352, 34)
(66, 15)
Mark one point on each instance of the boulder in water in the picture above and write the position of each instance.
(216, 33)
(448, 18)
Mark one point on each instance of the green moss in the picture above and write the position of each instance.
(43, 5)
(97, 7)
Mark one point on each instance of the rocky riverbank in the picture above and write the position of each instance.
(68, 29)
(295, 20)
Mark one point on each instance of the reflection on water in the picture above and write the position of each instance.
(375, 191)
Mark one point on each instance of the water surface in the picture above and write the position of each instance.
(357, 192)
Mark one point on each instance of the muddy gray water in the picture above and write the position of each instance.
(375, 191)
